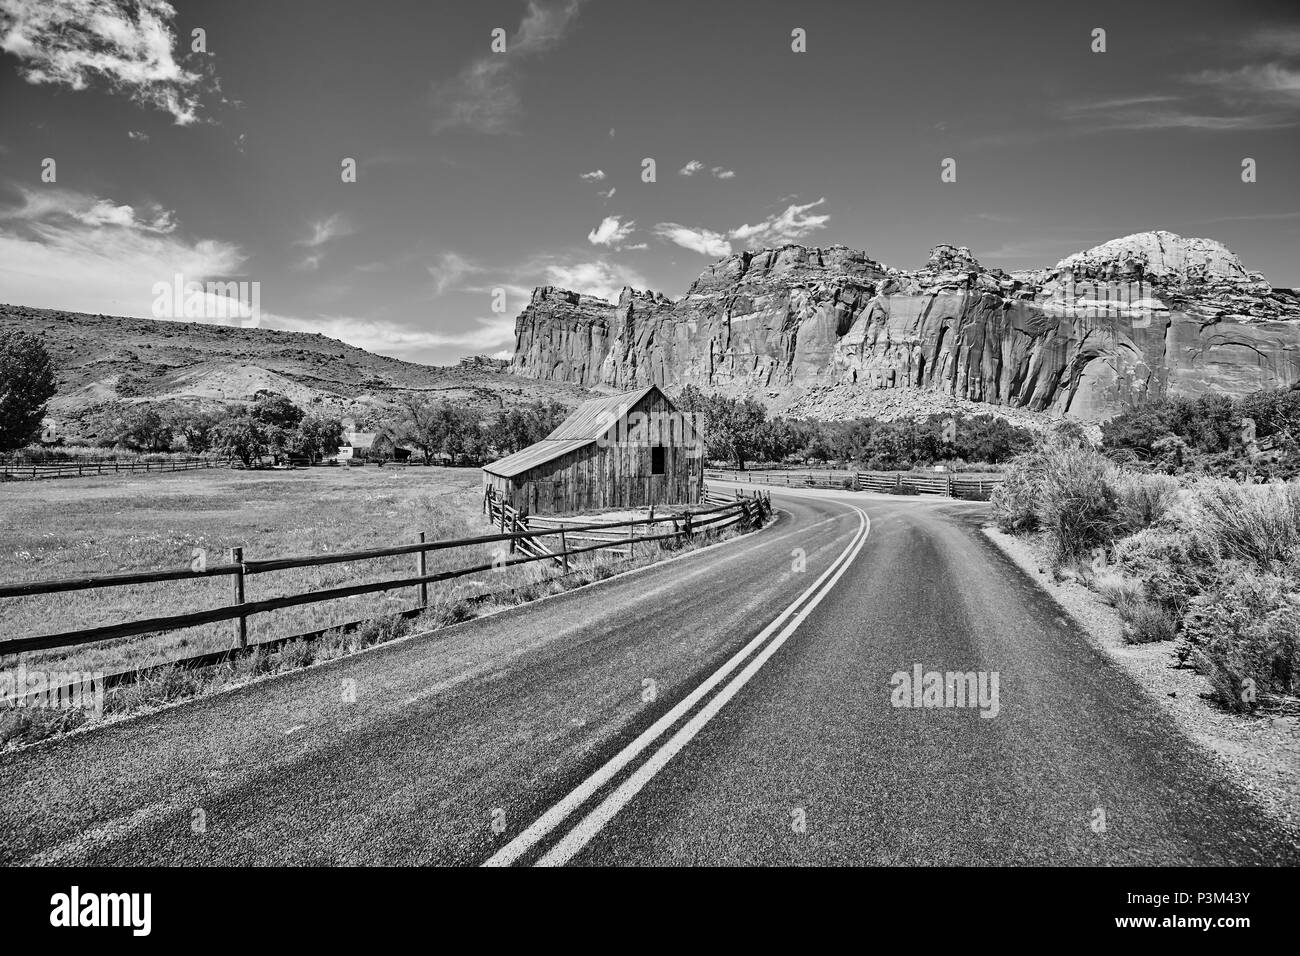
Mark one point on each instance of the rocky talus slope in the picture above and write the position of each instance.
(1144, 316)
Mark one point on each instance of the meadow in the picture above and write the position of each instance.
(92, 526)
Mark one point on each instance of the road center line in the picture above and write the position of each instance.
(592, 824)
(553, 817)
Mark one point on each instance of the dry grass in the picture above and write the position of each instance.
(99, 526)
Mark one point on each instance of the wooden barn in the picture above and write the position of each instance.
(625, 451)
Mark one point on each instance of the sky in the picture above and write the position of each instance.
(482, 173)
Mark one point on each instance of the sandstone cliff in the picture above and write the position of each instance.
(1148, 315)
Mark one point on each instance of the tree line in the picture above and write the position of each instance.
(738, 431)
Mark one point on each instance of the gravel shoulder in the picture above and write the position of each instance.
(1261, 753)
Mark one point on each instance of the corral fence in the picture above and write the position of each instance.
(747, 512)
(17, 469)
(976, 486)
(521, 542)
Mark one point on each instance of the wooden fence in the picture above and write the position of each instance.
(970, 485)
(749, 512)
(75, 469)
(521, 547)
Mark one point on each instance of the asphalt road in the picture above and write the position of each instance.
(733, 706)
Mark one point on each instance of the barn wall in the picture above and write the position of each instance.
(615, 476)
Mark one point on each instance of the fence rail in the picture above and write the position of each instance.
(975, 486)
(70, 469)
(524, 545)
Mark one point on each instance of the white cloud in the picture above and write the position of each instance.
(691, 168)
(595, 176)
(612, 232)
(721, 173)
(65, 204)
(1269, 81)
(392, 338)
(322, 231)
(604, 280)
(704, 241)
(127, 44)
(791, 225)
(138, 136)
(608, 194)
(483, 96)
(67, 250)
(450, 269)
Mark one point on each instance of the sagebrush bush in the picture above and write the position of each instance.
(1015, 499)
(1259, 524)
(1145, 500)
(1077, 501)
(1245, 637)
(1173, 565)
(1145, 622)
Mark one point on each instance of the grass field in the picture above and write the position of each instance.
(91, 526)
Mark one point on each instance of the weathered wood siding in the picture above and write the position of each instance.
(617, 475)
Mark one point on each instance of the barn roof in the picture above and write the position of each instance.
(588, 422)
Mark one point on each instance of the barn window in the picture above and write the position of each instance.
(657, 460)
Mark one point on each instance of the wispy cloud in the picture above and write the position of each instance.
(68, 250)
(483, 95)
(322, 231)
(612, 232)
(721, 173)
(792, 224)
(691, 168)
(127, 45)
(595, 176)
(449, 270)
(1269, 82)
(599, 278)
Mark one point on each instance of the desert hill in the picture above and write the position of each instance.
(104, 360)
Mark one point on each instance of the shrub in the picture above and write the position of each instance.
(1077, 502)
(1145, 500)
(1172, 566)
(1015, 499)
(292, 656)
(1246, 638)
(1147, 622)
(1259, 524)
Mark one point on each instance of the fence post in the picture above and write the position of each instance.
(949, 485)
(688, 526)
(631, 539)
(237, 557)
(564, 548)
(420, 567)
(898, 480)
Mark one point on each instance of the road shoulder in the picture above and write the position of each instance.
(1262, 754)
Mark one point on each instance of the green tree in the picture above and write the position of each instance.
(243, 437)
(317, 437)
(142, 428)
(27, 383)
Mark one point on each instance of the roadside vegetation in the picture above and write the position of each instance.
(739, 432)
(1208, 564)
(450, 603)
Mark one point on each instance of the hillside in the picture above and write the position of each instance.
(103, 360)
(832, 333)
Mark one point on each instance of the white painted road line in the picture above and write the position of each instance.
(555, 816)
(583, 833)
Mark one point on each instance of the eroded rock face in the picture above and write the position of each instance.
(1137, 318)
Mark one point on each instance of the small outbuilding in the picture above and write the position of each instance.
(625, 451)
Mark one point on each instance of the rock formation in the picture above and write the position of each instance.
(1145, 316)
